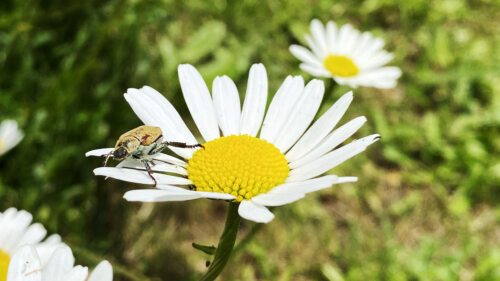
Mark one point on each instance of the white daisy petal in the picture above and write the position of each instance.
(199, 102)
(25, 265)
(315, 70)
(140, 177)
(171, 117)
(10, 135)
(102, 272)
(157, 167)
(170, 159)
(319, 35)
(277, 199)
(255, 101)
(151, 111)
(254, 212)
(317, 51)
(305, 55)
(377, 61)
(306, 186)
(331, 160)
(322, 127)
(156, 195)
(331, 34)
(99, 152)
(216, 195)
(330, 142)
(281, 106)
(301, 116)
(227, 105)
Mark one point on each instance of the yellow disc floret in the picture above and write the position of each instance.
(243, 166)
(4, 265)
(341, 66)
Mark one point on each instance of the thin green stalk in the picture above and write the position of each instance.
(226, 243)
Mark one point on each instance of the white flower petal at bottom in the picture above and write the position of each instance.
(155, 195)
(25, 265)
(277, 199)
(254, 212)
(102, 272)
(141, 177)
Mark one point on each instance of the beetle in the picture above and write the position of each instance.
(141, 144)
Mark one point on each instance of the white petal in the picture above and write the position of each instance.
(374, 46)
(312, 185)
(277, 199)
(216, 195)
(331, 34)
(376, 61)
(305, 55)
(331, 160)
(170, 159)
(171, 118)
(320, 129)
(319, 35)
(255, 101)
(140, 177)
(25, 265)
(102, 272)
(317, 51)
(33, 235)
(330, 142)
(151, 113)
(315, 70)
(301, 116)
(227, 105)
(254, 212)
(348, 37)
(383, 78)
(155, 195)
(281, 105)
(99, 152)
(60, 264)
(199, 102)
(157, 167)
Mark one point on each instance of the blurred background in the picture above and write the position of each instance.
(425, 207)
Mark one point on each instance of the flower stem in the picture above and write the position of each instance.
(226, 243)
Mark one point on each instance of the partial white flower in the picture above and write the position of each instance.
(348, 56)
(27, 266)
(256, 158)
(10, 135)
(16, 230)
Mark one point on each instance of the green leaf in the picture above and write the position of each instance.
(210, 250)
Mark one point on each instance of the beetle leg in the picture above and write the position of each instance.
(150, 171)
(182, 144)
(107, 158)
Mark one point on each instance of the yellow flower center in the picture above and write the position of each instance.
(4, 265)
(2, 145)
(341, 66)
(243, 166)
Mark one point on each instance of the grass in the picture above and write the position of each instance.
(426, 205)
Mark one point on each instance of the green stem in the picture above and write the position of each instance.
(226, 243)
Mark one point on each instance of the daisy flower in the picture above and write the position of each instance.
(16, 230)
(346, 55)
(249, 156)
(27, 266)
(10, 135)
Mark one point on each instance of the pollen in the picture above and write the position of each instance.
(4, 265)
(243, 166)
(341, 66)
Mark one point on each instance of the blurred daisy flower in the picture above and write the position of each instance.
(346, 55)
(26, 265)
(252, 157)
(16, 230)
(10, 135)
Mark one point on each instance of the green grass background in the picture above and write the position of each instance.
(425, 207)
